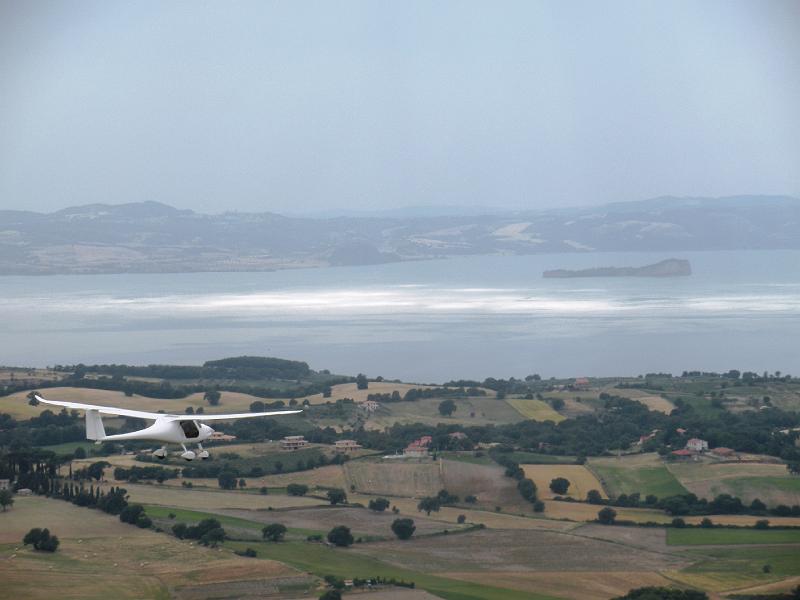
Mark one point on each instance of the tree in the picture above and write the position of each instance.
(678, 523)
(131, 513)
(429, 504)
(274, 532)
(607, 515)
(179, 530)
(447, 407)
(461, 519)
(79, 453)
(227, 480)
(96, 469)
(337, 496)
(594, 497)
(706, 523)
(762, 524)
(212, 396)
(296, 489)
(527, 489)
(361, 381)
(41, 540)
(379, 504)
(559, 485)
(403, 528)
(143, 521)
(340, 536)
(32, 400)
(213, 537)
(6, 499)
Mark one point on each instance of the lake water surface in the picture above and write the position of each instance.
(467, 317)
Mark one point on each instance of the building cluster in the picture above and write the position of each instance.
(696, 447)
(293, 442)
(419, 448)
(345, 446)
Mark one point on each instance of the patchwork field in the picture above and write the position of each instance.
(643, 473)
(771, 483)
(580, 478)
(101, 558)
(536, 410)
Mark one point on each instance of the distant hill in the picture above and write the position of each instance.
(155, 237)
(671, 267)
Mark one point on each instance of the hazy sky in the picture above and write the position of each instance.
(305, 106)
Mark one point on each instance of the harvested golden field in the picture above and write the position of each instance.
(536, 410)
(588, 585)
(17, 404)
(581, 479)
(579, 511)
(210, 500)
(101, 558)
(350, 390)
(769, 482)
(651, 401)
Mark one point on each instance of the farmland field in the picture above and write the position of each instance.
(92, 563)
(580, 478)
(705, 537)
(415, 477)
(769, 482)
(651, 401)
(212, 500)
(643, 473)
(536, 410)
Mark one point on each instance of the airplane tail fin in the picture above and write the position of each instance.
(94, 426)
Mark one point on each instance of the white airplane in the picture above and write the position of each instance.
(168, 429)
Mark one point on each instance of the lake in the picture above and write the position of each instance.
(428, 321)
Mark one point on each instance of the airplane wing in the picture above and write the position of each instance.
(107, 410)
(204, 417)
(124, 412)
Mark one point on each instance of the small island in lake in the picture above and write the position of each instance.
(671, 267)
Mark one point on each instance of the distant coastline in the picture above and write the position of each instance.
(671, 267)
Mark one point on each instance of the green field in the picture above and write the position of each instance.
(322, 560)
(787, 484)
(644, 474)
(719, 536)
(183, 515)
(70, 447)
(748, 562)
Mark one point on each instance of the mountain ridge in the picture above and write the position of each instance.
(152, 236)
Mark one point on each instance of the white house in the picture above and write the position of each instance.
(697, 445)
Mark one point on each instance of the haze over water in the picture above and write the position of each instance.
(469, 317)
